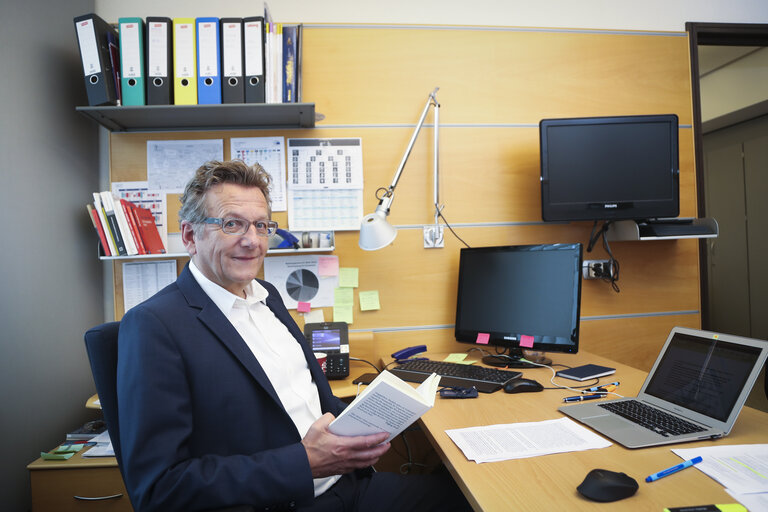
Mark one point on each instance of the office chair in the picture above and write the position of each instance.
(101, 346)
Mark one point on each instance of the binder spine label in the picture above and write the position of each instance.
(232, 50)
(131, 60)
(254, 64)
(185, 50)
(208, 48)
(89, 49)
(158, 55)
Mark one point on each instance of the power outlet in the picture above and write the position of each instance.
(596, 269)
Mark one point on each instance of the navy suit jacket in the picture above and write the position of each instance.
(200, 424)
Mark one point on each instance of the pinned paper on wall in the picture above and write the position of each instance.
(328, 266)
(482, 338)
(369, 300)
(526, 341)
(348, 277)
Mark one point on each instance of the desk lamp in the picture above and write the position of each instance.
(375, 231)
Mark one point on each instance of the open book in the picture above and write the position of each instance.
(388, 404)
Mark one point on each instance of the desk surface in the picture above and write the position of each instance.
(549, 482)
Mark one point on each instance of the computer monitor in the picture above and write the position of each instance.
(609, 168)
(520, 297)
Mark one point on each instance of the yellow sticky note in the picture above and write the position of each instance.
(343, 297)
(348, 277)
(369, 300)
(342, 314)
(455, 358)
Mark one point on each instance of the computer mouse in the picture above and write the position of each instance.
(522, 386)
(604, 485)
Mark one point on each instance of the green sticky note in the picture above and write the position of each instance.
(455, 358)
(56, 456)
(69, 448)
(342, 314)
(369, 300)
(343, 297)
(348, 277)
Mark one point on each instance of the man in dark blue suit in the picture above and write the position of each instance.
(221, 401)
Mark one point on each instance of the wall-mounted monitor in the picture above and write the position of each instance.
(609, 168)
(520, 296)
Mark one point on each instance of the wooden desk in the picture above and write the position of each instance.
(549, 482)
(61, 485)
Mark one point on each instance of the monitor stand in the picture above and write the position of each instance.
(514, 359)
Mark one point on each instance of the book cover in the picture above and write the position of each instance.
(290, 63)
(131, 220)
(388, 404)
(113, 203)
(114, 227)
(99, 230)
(587, 371)
(153, 243)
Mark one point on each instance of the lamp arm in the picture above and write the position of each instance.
(387, 199)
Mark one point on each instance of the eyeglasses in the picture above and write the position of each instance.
(235, 226)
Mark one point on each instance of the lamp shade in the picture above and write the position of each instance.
(375, 231)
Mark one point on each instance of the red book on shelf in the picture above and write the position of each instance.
(149, 233)
(99, 229)
(133, 225)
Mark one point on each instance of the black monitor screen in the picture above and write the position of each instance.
(605, 168)
(525, 296)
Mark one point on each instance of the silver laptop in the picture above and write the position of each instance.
(700, 379)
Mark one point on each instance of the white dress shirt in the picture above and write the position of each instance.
(276, 350)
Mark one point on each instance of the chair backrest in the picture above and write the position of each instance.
(101, 345)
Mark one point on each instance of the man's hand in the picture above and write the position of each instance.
(330, 454)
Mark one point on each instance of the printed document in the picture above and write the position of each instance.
(494, 443)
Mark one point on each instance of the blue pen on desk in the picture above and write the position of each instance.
(583, 397)
(673, 469)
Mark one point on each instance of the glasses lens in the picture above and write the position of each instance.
(234, 226)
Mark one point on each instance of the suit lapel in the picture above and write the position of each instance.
(212, 317)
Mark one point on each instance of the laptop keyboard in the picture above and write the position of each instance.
(651, 418)
(486, 380)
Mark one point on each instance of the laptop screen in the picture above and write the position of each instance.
(703, 374)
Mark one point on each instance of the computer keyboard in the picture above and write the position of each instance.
(651, 418)
(486, 380)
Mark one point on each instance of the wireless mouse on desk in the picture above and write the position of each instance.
(604, 485)
(522, 386)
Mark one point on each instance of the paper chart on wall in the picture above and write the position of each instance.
(172, 163)
(325, 184)
(297, 278)
(141, 280)
(269, 152)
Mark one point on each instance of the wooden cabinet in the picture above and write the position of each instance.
(78, 484)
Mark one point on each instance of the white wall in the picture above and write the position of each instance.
(661, 15)
(736, 86)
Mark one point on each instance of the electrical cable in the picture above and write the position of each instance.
(440, 213)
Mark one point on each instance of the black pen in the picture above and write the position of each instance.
(583, 397)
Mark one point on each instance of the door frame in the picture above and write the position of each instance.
(720, 34)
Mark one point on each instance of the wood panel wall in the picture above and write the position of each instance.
(496, 84)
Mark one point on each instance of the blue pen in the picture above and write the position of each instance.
(599, 388)
(583, 397)
(673, 469)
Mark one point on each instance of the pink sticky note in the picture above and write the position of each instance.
(526, 341)
(482, 338)
(303, 307)
(328, 266)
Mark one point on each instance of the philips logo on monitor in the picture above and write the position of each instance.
(511, 338)
(612, 205)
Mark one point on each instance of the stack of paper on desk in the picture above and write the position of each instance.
(493, 443)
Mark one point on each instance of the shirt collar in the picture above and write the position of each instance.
(225, 299)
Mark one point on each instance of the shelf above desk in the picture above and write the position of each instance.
(232, 116)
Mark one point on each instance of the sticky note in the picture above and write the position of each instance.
(482, 338)
(315, 316)
(526, 341)
(303, 307)
(343, 297)
(342, 313)
(328, 266)
(369, 300)
(455, 358)
(348, 277)
(56, 456)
